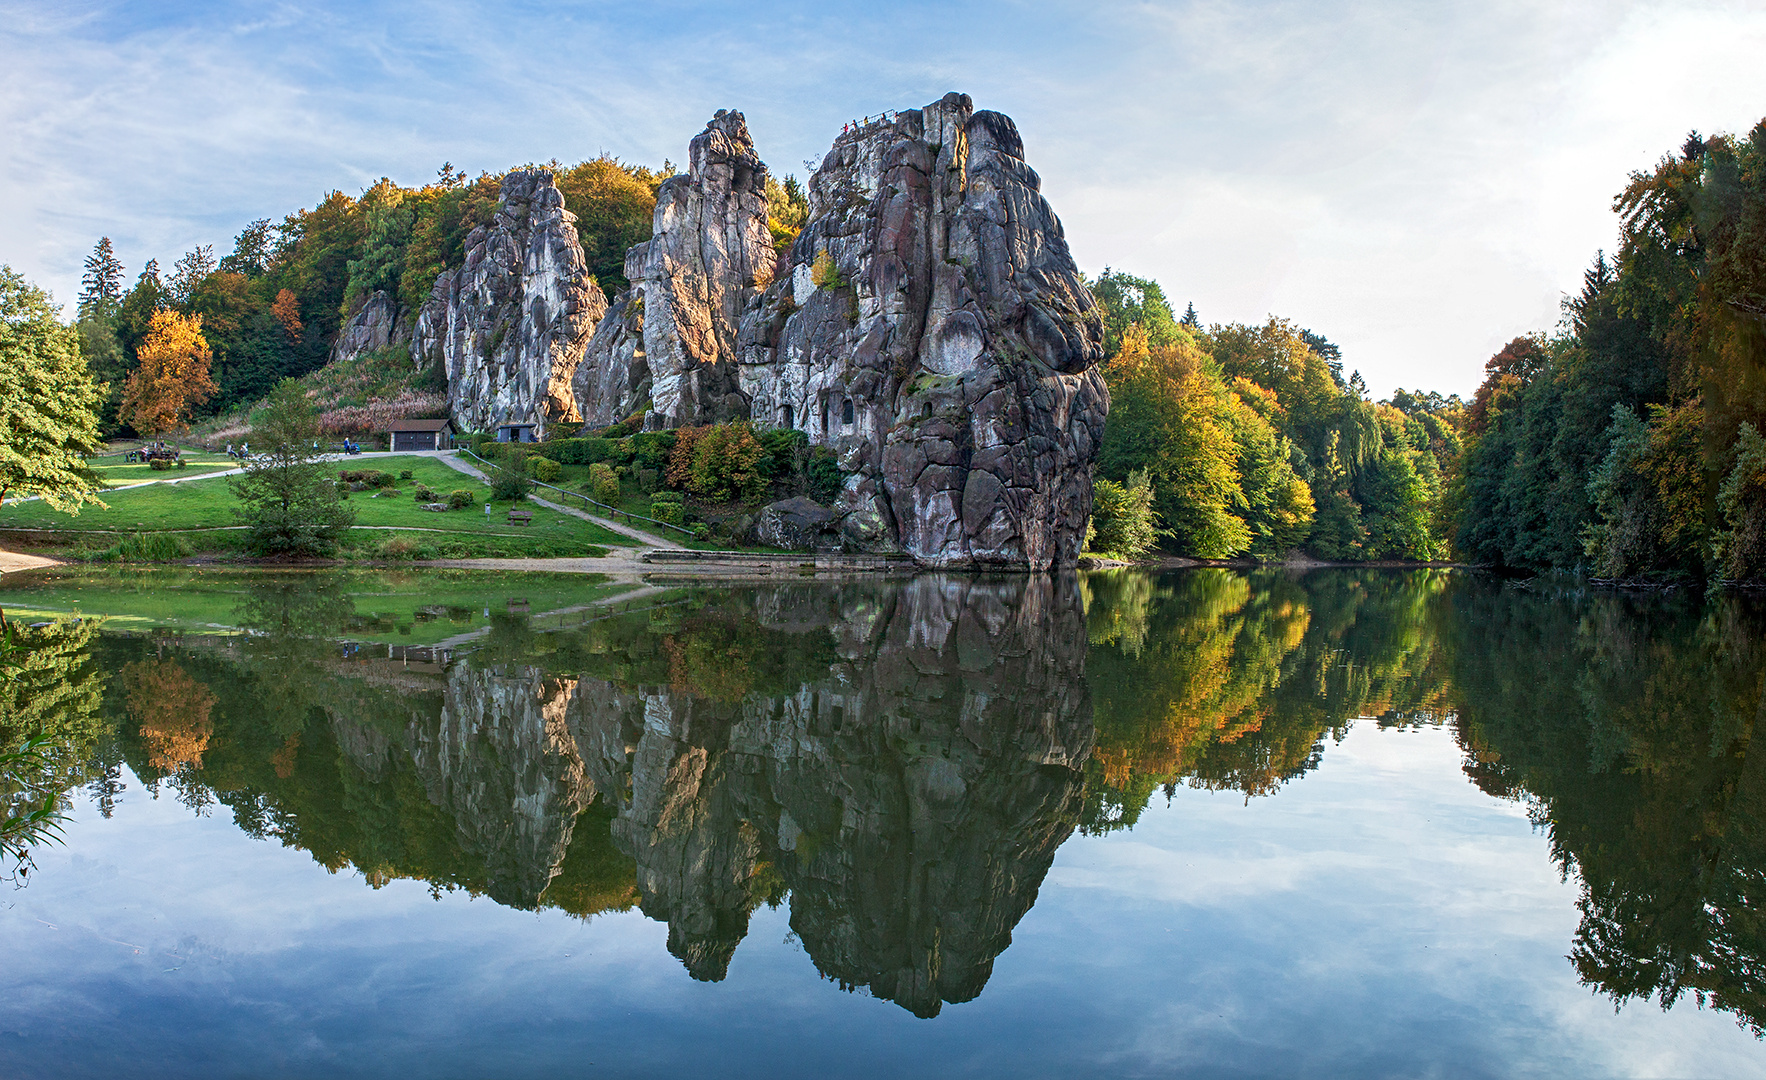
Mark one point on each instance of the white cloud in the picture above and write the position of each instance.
(1418, 182)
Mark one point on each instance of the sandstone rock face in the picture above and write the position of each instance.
(669, 346)
(373, 326)
(929, 325)
(911, 798)
(511, 324)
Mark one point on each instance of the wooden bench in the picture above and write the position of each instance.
(521, 517)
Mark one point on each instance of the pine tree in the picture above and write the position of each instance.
(1190, 320)
(102, 285)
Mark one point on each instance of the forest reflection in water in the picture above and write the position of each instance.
(898, 763)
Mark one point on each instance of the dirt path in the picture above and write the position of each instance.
(13, 561)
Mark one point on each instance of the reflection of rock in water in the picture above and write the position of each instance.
(912, 800)
(501, 761)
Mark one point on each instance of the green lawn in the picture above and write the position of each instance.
(208, 504)
(115, 473)
(392, 606)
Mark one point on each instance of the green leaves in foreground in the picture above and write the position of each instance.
(48, 401)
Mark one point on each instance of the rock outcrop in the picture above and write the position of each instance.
(511, 324)
(374, 325)
(668, 345)
(929, 325)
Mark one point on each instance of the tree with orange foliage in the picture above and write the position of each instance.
(287, 312)
(173, 376)
(173, 711)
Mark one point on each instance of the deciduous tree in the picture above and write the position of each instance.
(173, 376)
(48, 401)
(289, 505)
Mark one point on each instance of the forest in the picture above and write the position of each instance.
(1623, 444)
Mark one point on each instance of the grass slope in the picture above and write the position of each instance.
(197, 505)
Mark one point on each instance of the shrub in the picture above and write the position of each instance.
(603, 485)
(824, 273)
(423, 494)
(405, 474)
(822, 475)
(717, 463)
(672, 512)
(588, 451)
(460, 499)
(652, 449)
(180, 463)
(367, 478)
(647, 479)
(544, 469)
(159, 464)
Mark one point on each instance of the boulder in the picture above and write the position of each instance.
(510, 326)
(796, 524)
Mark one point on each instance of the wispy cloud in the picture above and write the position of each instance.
(1418, 182)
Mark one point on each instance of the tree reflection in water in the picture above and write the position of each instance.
(898, 762)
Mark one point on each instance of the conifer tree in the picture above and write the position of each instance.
(101, 287)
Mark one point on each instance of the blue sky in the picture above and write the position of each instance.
(1418, 182)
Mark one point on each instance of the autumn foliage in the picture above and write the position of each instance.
(173, 711)
(173, 377)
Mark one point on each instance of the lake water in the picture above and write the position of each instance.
(1203, 823)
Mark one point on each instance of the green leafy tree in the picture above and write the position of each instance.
(1126, 300)
(1172, 416)
(1740, 548)
(289, 505)
(139, 305)
(1123, 521)
(253, 250)
(613, 203)
(189, 272)
(382, 261)
(48, 401)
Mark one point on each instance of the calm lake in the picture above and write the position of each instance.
(1204, 823)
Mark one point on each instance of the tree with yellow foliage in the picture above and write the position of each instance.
(173, 376)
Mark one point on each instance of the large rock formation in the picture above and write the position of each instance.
(511, 324)
(668, 345)
(929, 325)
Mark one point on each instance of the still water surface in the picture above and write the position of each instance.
(1202, 824)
